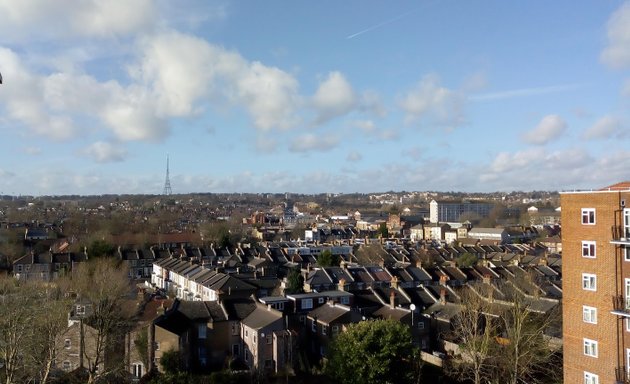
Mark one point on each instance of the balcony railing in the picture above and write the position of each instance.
(621, 305)
(620, 234)
(622, 375)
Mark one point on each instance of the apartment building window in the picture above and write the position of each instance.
(67, 343)
(314, 326)
(590, 347)
(269, 339)
(335, 330)
(588, 216)
(588, 249)
(590, 378)
(589, 282)
(324, 329)
(589, 314)
(66, 365)
(234, 326)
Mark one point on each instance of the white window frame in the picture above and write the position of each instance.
(590, 347)
(589, 249)
(589, 314)
(589, 216)
(137, 370)
(307, 303)
(590, 378)
(589, 282)
(626, 253)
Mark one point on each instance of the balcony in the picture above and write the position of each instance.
(622, 376)
(620, 235)
(621, 306)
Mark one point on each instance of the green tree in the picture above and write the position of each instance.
(171, 361)
(383, 231)
(466, 260)
(375, 351)
(327, 259)
(100, 248)
(295, 281)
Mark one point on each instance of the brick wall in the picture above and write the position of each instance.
(609, 269)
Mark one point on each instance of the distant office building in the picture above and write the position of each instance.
(451, 211)
(596, 285)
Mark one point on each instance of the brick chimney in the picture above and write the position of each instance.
(443, 280)
(487, 278)
(443, 296)
(394, 282)
(392, 299)
(341, 285)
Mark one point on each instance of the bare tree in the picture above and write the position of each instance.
(16, 315)
(504, 340)
(475, 330)
(526, 356)
(32, 315)
(103, 283)
(40, 351)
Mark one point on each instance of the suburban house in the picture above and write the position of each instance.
(325, 322)
(46, 266)
(267, 345)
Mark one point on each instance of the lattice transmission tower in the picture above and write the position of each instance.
(167, 183)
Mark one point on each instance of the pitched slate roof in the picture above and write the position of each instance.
(261, 317)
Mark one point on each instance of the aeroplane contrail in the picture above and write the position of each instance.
(379, 25)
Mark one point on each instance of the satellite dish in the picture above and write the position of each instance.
(412, 307)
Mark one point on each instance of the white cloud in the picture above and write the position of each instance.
(334, 97)
(605, 128)
(266, 144)
(536, 166)
(371, 103)
(310, 142)
(32, 150)
(24, 97)
(183, 70)
(354, 156)
(432, 102)
(366, 126)
(105, 152)
(52, 20)
(549, 128)
(617, 53)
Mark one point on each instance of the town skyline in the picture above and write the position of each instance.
(312, 97)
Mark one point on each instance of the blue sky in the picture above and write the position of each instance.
(313, 96)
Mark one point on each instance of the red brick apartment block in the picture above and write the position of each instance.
(596, 285)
